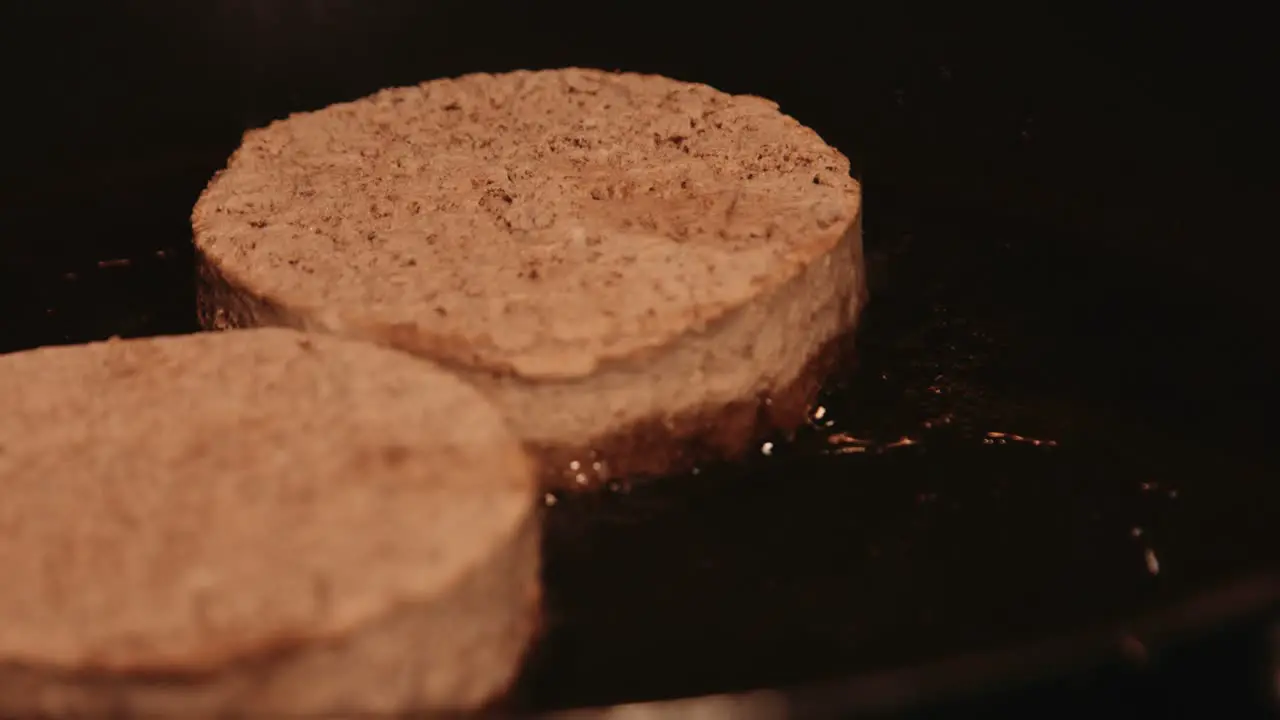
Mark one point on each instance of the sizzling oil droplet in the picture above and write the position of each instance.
(843, 443)
(584, 472)
(1007, 437)
(846, 444)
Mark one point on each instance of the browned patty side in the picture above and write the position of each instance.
(657, 446)
(678, 444)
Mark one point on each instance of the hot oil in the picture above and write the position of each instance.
(1016, 455)
(991, 473)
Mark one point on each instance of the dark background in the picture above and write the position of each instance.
(1144, 140)
(974, 107)
(1145, 134)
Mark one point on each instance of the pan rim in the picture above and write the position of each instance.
(956, 677)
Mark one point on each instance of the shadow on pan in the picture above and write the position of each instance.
(1052, 454)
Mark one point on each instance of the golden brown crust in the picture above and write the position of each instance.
(656, 446)
(663, 446)
(225, 304)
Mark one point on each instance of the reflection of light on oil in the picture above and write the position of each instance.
(818, 416)
(848, 444)
(585, 473)
(766, 449)
(846, 439)
(549, 499)
(1001, 438)
(1148, 554)
(1153, 563)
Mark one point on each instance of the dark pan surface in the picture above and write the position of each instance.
(1057, 421)
(1008, 460)
(1006, 453)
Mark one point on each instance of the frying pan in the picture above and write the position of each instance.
(1047, 482)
